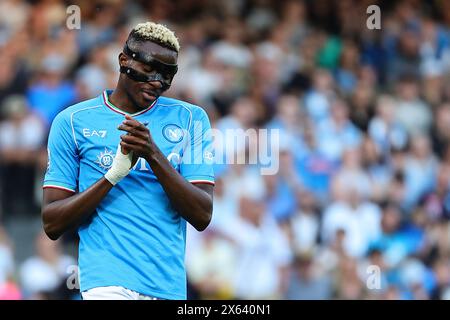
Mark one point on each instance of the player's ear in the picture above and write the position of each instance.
(122, 59)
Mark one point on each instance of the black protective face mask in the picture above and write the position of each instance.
(142, 77)
(163, 72)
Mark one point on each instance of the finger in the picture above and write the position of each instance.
(136, 124)
(123, 149)
(129, 148)
(132, 148)
(133, 131)
(124, 146)
(134, 159)
(133, 140)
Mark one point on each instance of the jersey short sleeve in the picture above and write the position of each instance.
(197, 161)
(63, 160)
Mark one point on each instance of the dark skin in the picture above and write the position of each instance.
(63, 210)
(128, 94)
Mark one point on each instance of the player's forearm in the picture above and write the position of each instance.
(62, 215)
(192, 203)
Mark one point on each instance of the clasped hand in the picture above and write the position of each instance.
(137, 139)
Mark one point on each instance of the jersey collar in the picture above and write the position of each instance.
(115, 109)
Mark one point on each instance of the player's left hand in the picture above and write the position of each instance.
(138, 138)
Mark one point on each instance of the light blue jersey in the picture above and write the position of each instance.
(134, 239)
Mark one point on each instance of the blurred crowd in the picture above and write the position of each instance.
(360, 205)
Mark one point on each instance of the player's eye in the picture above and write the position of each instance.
(148, 70)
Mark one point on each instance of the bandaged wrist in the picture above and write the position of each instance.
(120, 167)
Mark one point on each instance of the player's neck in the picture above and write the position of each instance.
(121, 101)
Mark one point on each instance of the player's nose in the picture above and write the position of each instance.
(155, 85)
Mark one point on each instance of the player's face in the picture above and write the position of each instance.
(144, 93)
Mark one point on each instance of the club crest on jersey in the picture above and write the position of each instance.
(105, 159)
(173, 133)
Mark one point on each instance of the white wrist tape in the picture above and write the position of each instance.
(120, 167)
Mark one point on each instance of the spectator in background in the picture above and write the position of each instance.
(314, 166)
(225, 204)
(318, 98)
(368, 267)
(440, 132)
(420, 169)
(304, 226)
(13, 15)
(13, 74)
(230, 50)
(262, 251)
(433, 85)
(305, 283)
(290, 121)
(351, 213)
(396, 191)
(377, 169)
(294, 21)
(415, 280)
(411, 112)
(337, 133)
(392, 242)
(204, 81)
(437, 240)
(277, 51)
(9, 290)
(384, 129)
(346, 74)
(22, 135)
(434, 46)
(436, 202)
(100, 27)
(51, 93)
(352, 175)
(232, 143)
(91, 79)
(441, 270)
(265, 86)
(261, 17)
(211, 265)
(348, 285)
(361, 106)
(405, 57)
(281, 187)
(42, 275)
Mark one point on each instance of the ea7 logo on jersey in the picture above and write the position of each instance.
(94, 133)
